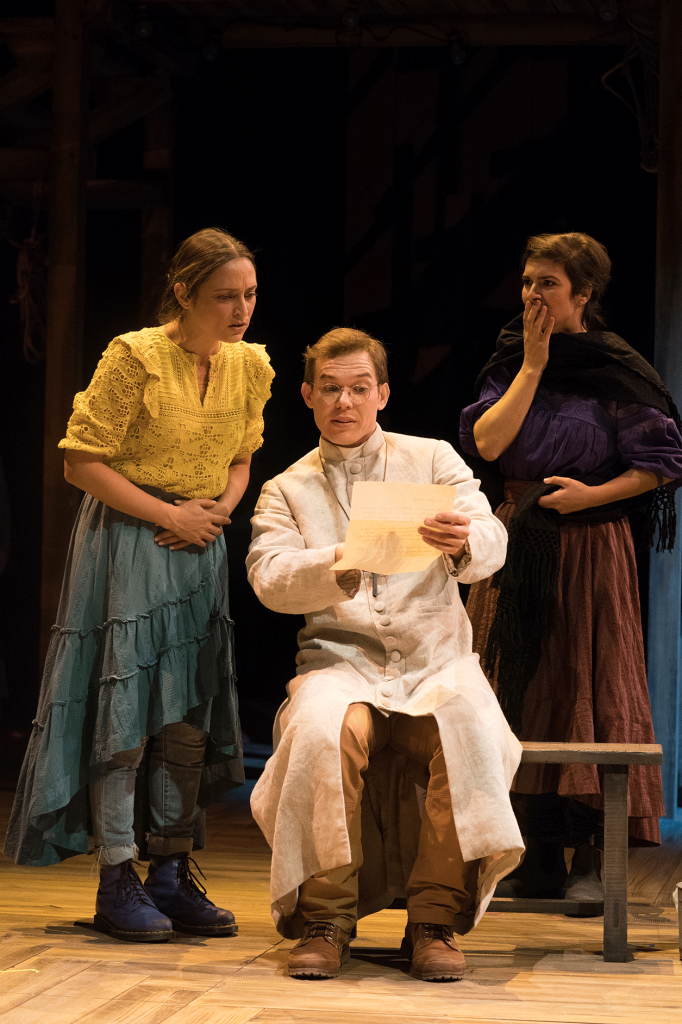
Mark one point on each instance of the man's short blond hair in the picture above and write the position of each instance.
(340, 342)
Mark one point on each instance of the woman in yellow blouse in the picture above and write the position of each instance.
(137, 725)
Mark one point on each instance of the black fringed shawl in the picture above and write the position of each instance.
(596, 364)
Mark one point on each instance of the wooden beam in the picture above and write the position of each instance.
(16, 28)
(550, 752)
(157, 223)
(33, 75)
(31, 43)
(64, 296)
(616, 863)
(665, 589)
(126, 195)
(24, 164)
(492, 30)
(23, 84)
(140, 98)
(100, 194)
(474, 30)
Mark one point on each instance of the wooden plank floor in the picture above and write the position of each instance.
(521, 968)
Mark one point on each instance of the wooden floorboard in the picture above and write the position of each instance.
(525, 969)
(655, 871)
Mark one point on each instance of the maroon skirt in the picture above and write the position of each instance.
(590, 686)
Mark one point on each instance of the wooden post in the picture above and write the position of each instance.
(666, 568)
(65, 294)
(156, 223)
(615, 863)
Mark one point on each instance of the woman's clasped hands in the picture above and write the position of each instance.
(196, 521)
(572, 495)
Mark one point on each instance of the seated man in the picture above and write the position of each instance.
(393, 761)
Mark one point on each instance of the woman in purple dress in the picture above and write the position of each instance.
(586, 433)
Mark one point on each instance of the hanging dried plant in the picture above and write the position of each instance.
(31, 293)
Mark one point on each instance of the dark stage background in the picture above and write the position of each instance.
(387, 189)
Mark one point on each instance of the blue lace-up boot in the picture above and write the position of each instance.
(182, 897)
(124, 910)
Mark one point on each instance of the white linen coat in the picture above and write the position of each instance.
(407, 650)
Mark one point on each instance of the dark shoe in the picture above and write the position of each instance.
(584, 882)
(540, 875)
(434, 952)
(123, 908)
(321, 952)
(181, 896)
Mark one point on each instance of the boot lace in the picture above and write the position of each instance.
(189, 881)
(130, 889)
(319, 929)
(444, 932)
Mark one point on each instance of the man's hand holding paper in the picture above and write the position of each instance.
(390, 524)
(448, 532)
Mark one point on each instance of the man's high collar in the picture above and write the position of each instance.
(332, 453)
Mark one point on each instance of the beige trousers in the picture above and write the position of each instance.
(441, 888)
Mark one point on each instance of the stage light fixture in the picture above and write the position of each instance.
(458, 54)
(143, 26)
(210, 51)
(609, 10)
(351, 17)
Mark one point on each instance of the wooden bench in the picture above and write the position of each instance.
(615, 759)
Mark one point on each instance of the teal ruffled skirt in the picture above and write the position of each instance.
(143, 638)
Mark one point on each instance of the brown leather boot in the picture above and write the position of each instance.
(434, 952)
(321, 952)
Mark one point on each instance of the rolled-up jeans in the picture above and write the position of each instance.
(176, 762)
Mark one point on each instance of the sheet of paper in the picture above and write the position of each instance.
(384, 518)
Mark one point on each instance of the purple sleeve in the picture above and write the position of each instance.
(492, 391)
(648, 439)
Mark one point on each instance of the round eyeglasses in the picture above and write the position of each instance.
(358, 393)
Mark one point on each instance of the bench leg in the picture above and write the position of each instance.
(616, 863)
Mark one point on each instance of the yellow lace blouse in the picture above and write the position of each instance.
(143, 412)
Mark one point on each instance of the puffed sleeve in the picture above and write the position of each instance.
(648, 439)
(259, 375)
(113, 399)
(494, 387)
